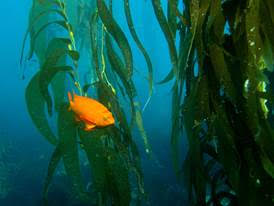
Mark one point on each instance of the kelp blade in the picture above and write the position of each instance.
(119, 36)
(110, 174)
(68, 139)
(36, 108)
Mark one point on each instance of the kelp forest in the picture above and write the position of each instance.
(221, 52)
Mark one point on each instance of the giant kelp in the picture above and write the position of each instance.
(57, 41)
(225, 49)
(221, 96)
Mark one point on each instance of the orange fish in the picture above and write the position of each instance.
(90, 111)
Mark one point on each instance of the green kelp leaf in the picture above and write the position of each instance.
(265, 140)
(67, 137)
(105, 94)
(95, 151)
(40, 47)
(117, 33)
(46, 76)
(171, 15)
(254, 53)
(58, 89)
(229, 159)
(215, 23)
(139, 44)
(217, 20)
(87, 86)
(187, 52)
(266, 95)
(175, 130)
(66, 149)
(107, 97)
(33, 22)
(226, 145)
(203, 10)
(60, 4)
(64, 24)
(54, 161)
(123, 124)
(203, 14)
(253, 32)
(168, 35)
(186, 173)
(140, 125)
(221, 70)
(36, 108)
(93, 34)
(194, 15)
(55, 45)
(45, 12)
(203, 98)
(55, 54)
(193, 168)
(119, 68)
(118, 179)
(74, 55)
(254, 40)
(168, 78)
(175, 10)
(72, 11)
(109, 170)
(268, 55)
(268, 31)
(186, 55)
(121, 88)
(50, 3)
(82, 29)
(270, 6)
(185, 61)
(193, 172)
(191, 111)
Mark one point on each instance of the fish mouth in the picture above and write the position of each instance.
(108, 120)
(111, 122)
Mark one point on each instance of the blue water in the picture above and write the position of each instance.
(28, 153)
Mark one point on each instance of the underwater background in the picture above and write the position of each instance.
(188, 82)
(24, 152)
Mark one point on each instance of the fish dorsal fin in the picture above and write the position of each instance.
(71, 99)
(69, 96)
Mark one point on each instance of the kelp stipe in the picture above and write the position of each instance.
(226, 109)
(111, 152)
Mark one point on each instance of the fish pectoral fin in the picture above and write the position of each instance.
(89, 127)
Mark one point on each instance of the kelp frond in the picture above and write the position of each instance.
(225, 112)
(111, 152)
